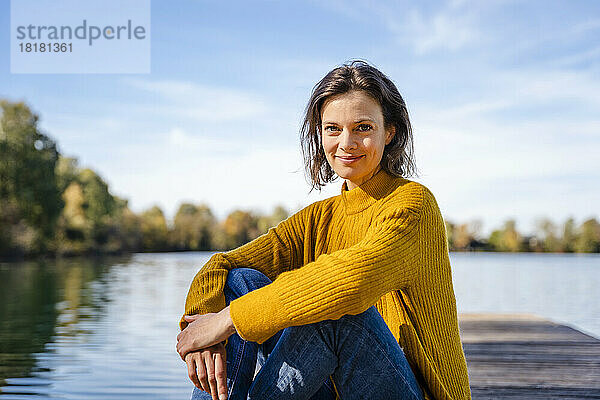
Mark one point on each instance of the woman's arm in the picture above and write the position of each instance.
(347, 281)
(278, 250)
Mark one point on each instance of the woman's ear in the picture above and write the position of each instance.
(390, 135)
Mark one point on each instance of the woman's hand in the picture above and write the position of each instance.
(204, 331)
(207, 369)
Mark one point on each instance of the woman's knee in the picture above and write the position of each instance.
(243, 280)
(244, 273)
(364, 317)
(369, 321)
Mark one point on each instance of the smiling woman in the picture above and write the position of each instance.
(351, 297)
(354, 136)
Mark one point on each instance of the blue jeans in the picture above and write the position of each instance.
(358, 351)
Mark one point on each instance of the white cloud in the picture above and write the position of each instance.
(179, 138)
(201, 102)
(446, 30)
(451, 27)
(577, 58)
(589, 25)
(545, 86)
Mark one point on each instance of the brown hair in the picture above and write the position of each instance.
(398, 156)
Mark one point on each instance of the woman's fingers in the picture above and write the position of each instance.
(191, 366)
(207, 369)
(202, 375)
(210, 371)
(221, 375)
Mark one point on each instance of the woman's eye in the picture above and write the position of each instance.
(364, 127)
(330, 128)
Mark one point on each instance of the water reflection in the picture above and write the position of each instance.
(95, 329)
(40, 299)
(28, 294)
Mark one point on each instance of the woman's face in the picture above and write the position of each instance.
(353, 136)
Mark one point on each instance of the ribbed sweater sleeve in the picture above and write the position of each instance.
(276, 251)
(346, 281)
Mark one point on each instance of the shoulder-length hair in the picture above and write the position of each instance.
(398, 156)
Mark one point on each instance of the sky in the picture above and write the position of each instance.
(503, 97)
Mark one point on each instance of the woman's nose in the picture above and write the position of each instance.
(347, 140)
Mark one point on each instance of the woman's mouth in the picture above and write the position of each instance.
(349, 160)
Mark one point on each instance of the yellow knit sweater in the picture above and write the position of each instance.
(381, 243)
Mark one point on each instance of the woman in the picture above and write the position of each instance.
(351, 297)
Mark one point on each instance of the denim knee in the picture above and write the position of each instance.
(239, 275)
(243, 280)
(370, 317)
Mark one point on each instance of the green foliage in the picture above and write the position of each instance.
(92, 220)
(193, 228)
(464, 236)
(74, 229)
(240, 227)
(548, 237)
(67, 171)
(264, 222)
(588, 240)
(569, 236)
(128, 228)
(154, 229)
(507, 238)
(29, 193)
(98, 200)
(449, 233)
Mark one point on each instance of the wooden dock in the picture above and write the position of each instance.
(526, 357)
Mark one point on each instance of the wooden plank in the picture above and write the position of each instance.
(521, 356)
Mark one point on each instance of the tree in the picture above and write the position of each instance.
(92, 219)
(98, 200)
(192, 229)
(67, 170)
(569, 236)
(507, 238)
(588, 240)
(449, 234)
(27, 178)
(547, 234)
(127, 228)
(264, 222)
(154, 229)
(465, 236)
(239, 228)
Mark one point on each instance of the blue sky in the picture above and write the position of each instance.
(503, 97)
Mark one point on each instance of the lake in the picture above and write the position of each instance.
(106, 329)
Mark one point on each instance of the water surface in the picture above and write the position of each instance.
(106, 329)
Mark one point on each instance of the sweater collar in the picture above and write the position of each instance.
(363, 196)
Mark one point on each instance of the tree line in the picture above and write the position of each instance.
(568, 237)
(49, 205)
